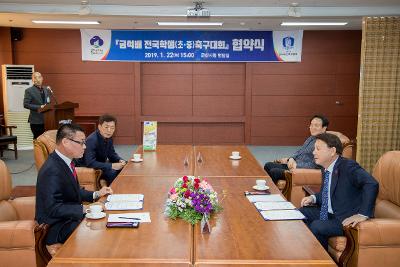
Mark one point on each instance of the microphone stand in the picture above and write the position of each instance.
(52, 94)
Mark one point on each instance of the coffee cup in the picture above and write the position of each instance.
(261, 184)
(94, 209)
(137, 157)
(235, 154)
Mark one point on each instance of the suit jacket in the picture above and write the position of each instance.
(32, 101)
(98, 151)
(353, 190)
(58, 195)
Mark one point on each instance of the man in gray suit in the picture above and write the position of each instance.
(36, 97)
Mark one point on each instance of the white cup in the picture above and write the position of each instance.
(137, 157)
(235, 154)
(94, 209)
(261, 184)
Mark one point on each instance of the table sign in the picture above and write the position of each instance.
(149, 136)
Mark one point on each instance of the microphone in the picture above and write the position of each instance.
(52, 93)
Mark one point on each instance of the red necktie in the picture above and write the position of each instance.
(73, 170)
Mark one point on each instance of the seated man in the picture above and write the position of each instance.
(347, 195)
(100, 153)
(58, 194)
(303, 158)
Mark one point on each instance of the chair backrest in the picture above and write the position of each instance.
(348, 145)
(7, 211)
(43, 146)
(387, 173)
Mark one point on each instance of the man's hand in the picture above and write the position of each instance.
(123, 162)
(354, 220)
(42, 106)
(291, 164)
(307, 201)
(104, 191)
(117, 166)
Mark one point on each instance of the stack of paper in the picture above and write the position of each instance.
(275, 207)
(142, 217)
(124, 202)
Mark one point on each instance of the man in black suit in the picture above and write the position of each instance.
(100, 152)
(347, 194)
(36, 97)
(58, 194)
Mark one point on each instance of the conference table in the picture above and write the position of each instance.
(239, 235)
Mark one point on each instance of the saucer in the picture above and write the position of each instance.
(232, 157)
(96, 215)
(139, 160)
(257, 188)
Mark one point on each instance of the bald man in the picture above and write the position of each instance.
(36, 97)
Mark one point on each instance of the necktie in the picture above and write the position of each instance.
(323, 215)
(73, 170)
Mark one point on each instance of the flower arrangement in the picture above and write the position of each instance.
(191, 198)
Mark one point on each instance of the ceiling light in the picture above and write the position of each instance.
(190, 23)
(65, 22)
(313, 23)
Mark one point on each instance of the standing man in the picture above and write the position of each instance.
(303, 158)
(347, 195)
(58, 194)
(36, 97)
(100, 152)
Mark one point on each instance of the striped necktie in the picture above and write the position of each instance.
(73, 170)
(323, 215)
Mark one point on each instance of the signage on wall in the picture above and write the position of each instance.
(191, 46)
(149, 135)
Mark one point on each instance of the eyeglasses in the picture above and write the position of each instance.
(78, 142)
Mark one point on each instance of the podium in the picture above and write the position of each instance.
(54, 113)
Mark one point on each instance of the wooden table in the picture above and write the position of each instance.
(240, 236)
(163, 242)
(216, 162)
(166, 160)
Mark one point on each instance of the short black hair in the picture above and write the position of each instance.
(331, 140)
(107, 118)
(67, 130)
(325, 121)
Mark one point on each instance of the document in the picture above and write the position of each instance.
(281, 205)
(277, 215)
(265, 198)
(125, 197)
(124, 205)
(141, 217)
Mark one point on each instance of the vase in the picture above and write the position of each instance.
(204, 224)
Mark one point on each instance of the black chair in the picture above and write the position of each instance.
(6, 137)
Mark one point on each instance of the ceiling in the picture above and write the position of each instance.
(235, 14)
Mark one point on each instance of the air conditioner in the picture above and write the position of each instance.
(16, 78)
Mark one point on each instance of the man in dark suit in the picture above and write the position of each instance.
(100, 152)
(36, 97)
(347, 194)
(58, 194)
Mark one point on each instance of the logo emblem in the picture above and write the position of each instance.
(96, 41)
(288, 42)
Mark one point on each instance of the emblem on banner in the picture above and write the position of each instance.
(288, 42)
(96, 41)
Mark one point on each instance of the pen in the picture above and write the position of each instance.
(129, 218)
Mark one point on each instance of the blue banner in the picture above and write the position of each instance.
(191, 46)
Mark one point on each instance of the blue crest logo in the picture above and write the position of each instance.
(288, 42)
(96, 41)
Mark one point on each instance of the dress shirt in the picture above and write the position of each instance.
(304, 156)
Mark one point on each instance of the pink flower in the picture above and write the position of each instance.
(185, 179)
(173, 196)
(197, 180)
(172, 190)
(184, 185)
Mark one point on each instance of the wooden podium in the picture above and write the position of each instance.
(54, 113)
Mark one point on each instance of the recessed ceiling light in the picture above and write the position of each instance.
(313, 23)
(65, 22)
(190, 23)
